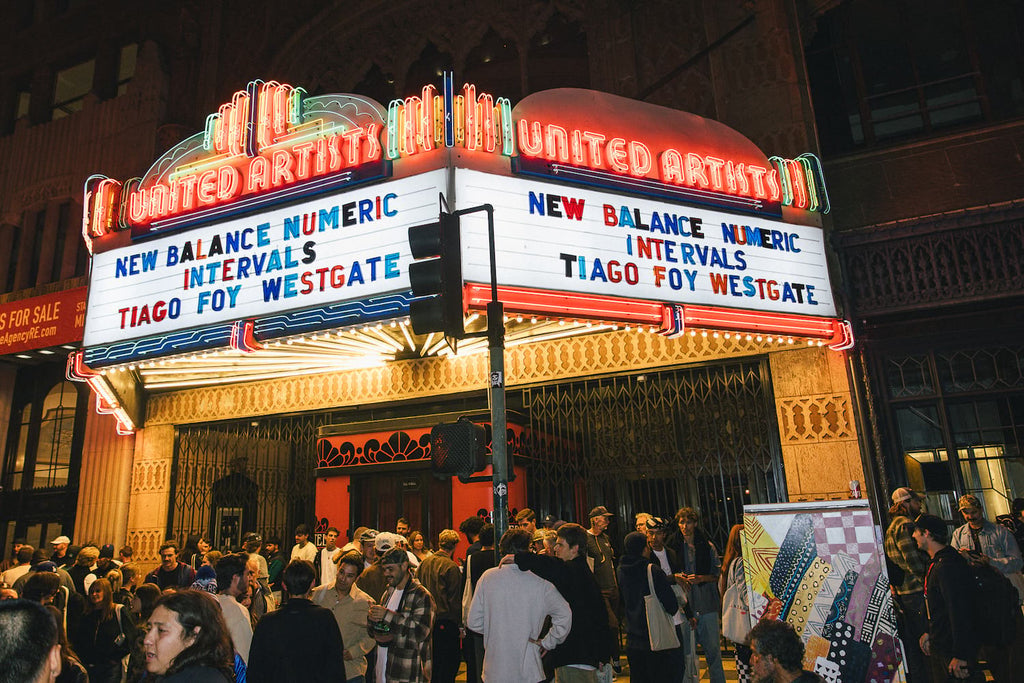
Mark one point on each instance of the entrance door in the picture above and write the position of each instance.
(379, 499)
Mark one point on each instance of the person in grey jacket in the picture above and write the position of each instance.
(983, 542)
(987, 542)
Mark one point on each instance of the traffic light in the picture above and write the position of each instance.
(458, 448)
(436, 278)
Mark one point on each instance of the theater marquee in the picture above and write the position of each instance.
(288, 215)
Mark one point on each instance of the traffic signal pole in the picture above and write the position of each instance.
(496, 381)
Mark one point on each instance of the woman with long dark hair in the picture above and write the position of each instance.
(418, 545)
(190, 550)
(144, 601)
(103, 636)
(636, 574)
(188, 641)
(71, 668)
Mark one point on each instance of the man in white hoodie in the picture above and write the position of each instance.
(509, 607)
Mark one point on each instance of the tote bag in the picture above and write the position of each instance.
(661, 630)
(735, 612)
(467, 593)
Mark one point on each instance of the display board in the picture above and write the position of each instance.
(336, 247)
(565, 238)
(821, 567)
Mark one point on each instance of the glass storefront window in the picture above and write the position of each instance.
(986, 429)
(909, 376)
(17, 464)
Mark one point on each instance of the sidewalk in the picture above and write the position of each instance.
(728, 663)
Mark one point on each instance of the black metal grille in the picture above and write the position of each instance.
(652, 442)
(248, 475)
(703, 436)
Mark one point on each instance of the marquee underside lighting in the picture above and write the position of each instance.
(531, 317)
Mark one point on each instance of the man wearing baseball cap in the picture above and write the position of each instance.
(907, 565)
(372, 581)
(60, 556)
(979, 540)
(602, 562)
(987, 542)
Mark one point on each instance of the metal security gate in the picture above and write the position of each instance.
(703, 436)
(248, 475)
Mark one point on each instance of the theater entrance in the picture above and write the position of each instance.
(379, 499)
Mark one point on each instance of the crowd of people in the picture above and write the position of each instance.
(937, 578)
(550, 604)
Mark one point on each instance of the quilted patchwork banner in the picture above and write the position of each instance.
(820, 566)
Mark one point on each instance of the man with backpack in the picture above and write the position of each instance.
(985, 544)
(951, 642)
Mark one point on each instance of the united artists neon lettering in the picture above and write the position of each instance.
(272, 169)
(595, 150)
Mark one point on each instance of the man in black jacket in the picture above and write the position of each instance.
(589, 642)
(441, 576)
(300, 641)
(950, 643)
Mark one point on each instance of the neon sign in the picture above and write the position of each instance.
(257, 143)
(272, 141)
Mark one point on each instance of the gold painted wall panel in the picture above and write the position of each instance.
(105, 490)
(814, 406)
(534, 363)
(151, 490)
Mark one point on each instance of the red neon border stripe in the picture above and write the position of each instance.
(588, 306)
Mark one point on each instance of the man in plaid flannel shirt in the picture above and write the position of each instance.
(406, 610)
(907, 568)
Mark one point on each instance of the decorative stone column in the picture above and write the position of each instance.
(816, 423)
(150, 491)
(105, 482)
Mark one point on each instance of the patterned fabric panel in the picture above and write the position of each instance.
(841, 564)
(815, 647)
(851, 533)
(759, 553)
(852, 656)
(886, 655)
(803, 600)
(860, 598)
(869, 628)
(828, 670)
(840, 604)
(795, 556)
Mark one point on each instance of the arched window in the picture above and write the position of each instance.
(39, 448)
(558, 56)
(376, 85)
(493, 67)
(428, 68)
(56, 429)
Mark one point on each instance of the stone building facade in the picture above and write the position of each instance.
(91, 87)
